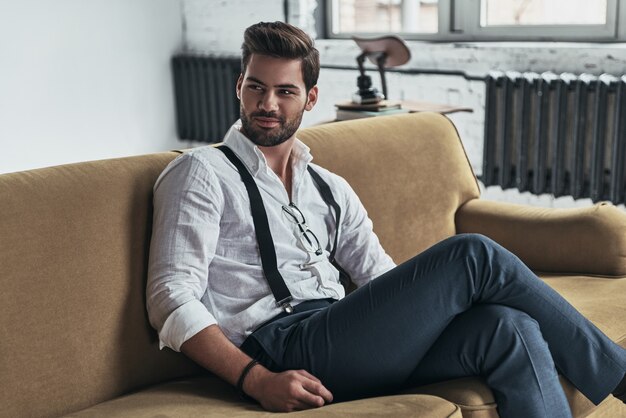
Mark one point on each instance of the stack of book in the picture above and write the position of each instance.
(349, 110)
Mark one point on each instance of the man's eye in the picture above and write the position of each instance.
(286, 92)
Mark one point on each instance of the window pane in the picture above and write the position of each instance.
(384, 16)
(542, 12)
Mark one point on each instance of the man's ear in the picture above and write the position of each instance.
(311, 98)
(239, 83)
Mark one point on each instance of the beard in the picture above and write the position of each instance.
(268, 137)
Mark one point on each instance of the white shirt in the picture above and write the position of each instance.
(205, 266)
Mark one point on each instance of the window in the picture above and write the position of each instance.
(559, 20)
(541, 12)
(374, 16)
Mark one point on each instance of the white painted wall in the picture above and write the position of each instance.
(85, 79)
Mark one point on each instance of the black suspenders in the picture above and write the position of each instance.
(328, 197)
(264, 236)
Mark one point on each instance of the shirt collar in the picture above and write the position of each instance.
(253, 158)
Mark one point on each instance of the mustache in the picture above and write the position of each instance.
(263, 114)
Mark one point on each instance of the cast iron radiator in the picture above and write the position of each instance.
(206, 102)
(563, 134)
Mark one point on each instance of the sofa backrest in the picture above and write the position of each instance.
(73, 256)
(410, 171)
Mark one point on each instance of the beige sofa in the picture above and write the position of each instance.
(74, 336)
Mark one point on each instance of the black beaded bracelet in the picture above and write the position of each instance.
(242, 377)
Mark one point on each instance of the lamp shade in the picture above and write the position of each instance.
(393, 47)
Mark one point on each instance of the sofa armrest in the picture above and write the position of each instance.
(589, 240)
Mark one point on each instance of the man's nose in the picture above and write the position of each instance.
(268, 102)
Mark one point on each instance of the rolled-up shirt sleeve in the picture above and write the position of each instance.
(187, 211)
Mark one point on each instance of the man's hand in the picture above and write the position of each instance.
(287, 391)
(293, 390)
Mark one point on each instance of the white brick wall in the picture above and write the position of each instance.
(217, 27)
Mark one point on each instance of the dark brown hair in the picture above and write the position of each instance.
(282, 40)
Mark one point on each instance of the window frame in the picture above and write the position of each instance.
(459, 20)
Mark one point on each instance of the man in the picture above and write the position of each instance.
(464, 307)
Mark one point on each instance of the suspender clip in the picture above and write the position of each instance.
(285, 305)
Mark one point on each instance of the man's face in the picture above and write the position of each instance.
(273, 98)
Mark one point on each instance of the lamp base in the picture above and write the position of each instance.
(367, 96)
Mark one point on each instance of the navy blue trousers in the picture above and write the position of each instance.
(464, 307)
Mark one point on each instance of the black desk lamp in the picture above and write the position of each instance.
(384, 52)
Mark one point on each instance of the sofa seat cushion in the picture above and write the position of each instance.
(601, 300)
(209, 396)
(471, 394)
(476, 400)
